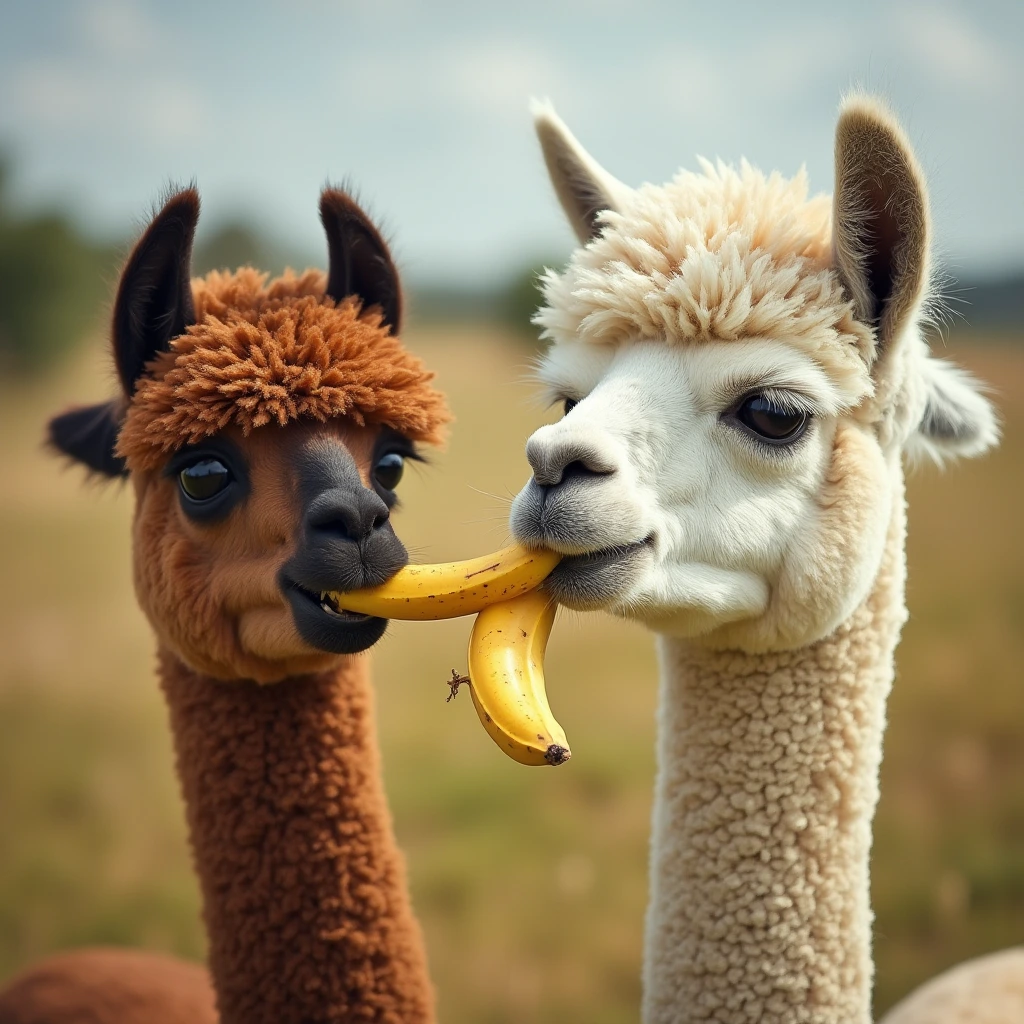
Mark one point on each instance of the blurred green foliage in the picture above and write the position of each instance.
(509, 305)
(235, 243)
(53, 282)
(521, 298)
(56, 283)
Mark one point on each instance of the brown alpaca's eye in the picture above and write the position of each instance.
(388, 471)
(205, 479)
(770, 420)
(570, 404)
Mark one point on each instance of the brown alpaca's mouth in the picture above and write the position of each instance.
(330, 605)
(326, 627)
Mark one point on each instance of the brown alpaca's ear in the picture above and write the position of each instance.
(360, 263)
(881, 229)
(89, 436)
(154, 297)
(584, 188)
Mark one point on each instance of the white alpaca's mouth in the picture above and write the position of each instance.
(597, 579)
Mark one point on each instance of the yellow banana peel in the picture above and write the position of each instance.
(506, 676)
(506, 647)
(450, 589)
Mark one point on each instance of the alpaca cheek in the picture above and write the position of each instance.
(831, 567)
(172, 577)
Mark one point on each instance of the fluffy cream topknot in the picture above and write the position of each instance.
(721, 254)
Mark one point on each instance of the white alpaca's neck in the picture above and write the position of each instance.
(767, 785)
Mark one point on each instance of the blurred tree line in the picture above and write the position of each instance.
(56, 284)
(52, 283)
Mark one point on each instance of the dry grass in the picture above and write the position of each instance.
(531, 885)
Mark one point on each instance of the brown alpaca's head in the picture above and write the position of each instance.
(264, 426)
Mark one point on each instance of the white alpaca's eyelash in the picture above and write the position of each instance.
(786, 399)
(789, 401)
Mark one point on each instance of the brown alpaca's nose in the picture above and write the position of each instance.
(344, 542)
(347, 514)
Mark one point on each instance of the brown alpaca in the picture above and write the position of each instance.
(263, 426)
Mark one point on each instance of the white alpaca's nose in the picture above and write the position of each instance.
(556, 456)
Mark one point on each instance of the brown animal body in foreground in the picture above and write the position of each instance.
(263, 427)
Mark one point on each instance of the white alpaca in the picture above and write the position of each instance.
(743, 370)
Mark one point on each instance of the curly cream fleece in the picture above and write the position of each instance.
(720, 255)
(989, 990)
(767, 784)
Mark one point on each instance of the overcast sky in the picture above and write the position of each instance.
(423, 108)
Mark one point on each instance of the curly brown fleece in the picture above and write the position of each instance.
(263, 353)
(118, 986)
(304, 889)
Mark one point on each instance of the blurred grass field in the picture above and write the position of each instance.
(531, 884)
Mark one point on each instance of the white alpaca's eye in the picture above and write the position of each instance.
(775, 423)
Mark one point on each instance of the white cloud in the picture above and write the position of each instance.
(704, 84)
(79, 100)
(502, 76)
(108, 86)
(472, 75)
(116, 28)
(953, 51)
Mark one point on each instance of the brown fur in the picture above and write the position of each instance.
(109, 986)
(262, 353)
(304, 888)
(210, 590)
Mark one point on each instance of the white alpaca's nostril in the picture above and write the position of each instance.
(556, 460)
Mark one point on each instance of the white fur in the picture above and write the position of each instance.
(727, 517)
(773, 574)
(698, 291)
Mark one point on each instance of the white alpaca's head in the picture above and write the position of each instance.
(742, 368)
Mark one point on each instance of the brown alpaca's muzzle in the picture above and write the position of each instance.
(345, 542)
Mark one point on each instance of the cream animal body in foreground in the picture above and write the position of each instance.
(743, 370)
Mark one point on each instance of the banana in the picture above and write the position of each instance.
(450, 589)
(506, 678)
(506, 647)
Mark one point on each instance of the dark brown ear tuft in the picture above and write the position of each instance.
(89, 436)
(360, 263)
(154, 297)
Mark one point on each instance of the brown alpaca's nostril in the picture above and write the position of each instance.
(348, 515)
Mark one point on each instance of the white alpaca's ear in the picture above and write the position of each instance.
(583, 187)
(881, 229)
(958, 419)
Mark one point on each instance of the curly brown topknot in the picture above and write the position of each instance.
(273, 351)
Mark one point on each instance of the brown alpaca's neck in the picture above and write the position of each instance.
(767, 785)
(304, 888)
